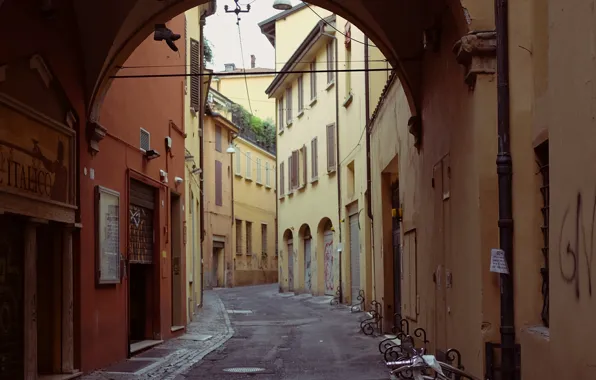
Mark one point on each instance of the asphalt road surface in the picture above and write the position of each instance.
(290, 338)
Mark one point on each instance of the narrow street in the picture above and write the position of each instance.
(282, 335)
(290, 338)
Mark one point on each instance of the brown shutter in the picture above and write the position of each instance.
(282, 179)
(290, 174)
(314, 151)
(331, 147)
(195, 79)
(218, 184)
(280, 113)
(295, 169)
(304, 163)
(218, 138)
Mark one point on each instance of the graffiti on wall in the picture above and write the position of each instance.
(329, 266)
(576, 245)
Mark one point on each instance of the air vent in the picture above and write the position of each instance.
(145, 140)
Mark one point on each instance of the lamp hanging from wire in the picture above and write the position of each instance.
(237, 10)
(282, 5)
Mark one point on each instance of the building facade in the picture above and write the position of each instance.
(218, 246)
(322, 181)
(255, 218)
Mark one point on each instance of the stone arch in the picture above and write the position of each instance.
(326, 256)
(306, 258)
(137, 19)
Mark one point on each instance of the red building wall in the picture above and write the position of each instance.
(156, 105)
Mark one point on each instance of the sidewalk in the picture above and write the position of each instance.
(210, 329)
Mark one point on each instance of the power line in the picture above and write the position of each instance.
(217, 73)
(255, 73)
(339, 31)
(245, 78)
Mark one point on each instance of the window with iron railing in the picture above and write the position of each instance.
(542, 159)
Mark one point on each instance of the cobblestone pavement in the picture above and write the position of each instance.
(282, 336)
(210, 329)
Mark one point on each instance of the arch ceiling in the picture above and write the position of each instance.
(111, 29)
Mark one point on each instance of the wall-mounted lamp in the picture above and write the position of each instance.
(178, 180)
(282, 5)
(151, 154)
(231, 149)
(196, 170)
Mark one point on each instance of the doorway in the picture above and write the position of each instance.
(355, 256)
(291, 266)
(328, 262)
(396, 244)
(217, 276)
(140, 312)
(176, 267)
(307, 263)
(12, 252)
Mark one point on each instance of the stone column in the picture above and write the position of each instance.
(30, 299)
(67, 302)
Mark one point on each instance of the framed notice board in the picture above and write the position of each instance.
(107, 206)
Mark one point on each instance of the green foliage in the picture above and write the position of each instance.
(253, 127)
(207, 50)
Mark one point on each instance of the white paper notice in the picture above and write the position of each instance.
(498, 263)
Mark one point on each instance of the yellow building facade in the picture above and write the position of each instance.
(255, 218)
(195, 91)
(323, 230)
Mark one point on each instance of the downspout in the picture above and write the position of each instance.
(367, 110)
(338, 167)
(201, 115)
(504, 171)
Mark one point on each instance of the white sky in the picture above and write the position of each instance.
(222, 32)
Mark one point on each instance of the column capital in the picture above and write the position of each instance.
(477, 52)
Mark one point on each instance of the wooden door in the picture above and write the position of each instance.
(328, 263)
(354, 257)
(290, 266)
(307, 265)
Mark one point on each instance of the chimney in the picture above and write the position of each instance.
(229, 67)
(253, 61)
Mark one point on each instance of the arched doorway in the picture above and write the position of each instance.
(325, 233)
(306, 241)
(289, 243)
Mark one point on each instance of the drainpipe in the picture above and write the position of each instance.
(504, 170)
(367, 110)
(338, 167)
(201, 115)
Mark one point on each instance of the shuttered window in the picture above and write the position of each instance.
(259, 171)
(282, 179)
(195, 79)
(280, 113)
(330, 62)
(300, 94)
(264, 239)
(314, 159)
(295, 169)
(290, 174)
(218, 138)
(331, 163)
(239, 239)
(313, 80)
(249, 238)
(218, 184)
(303, 161)
(267, 175)
(248, 165)
(289, 105)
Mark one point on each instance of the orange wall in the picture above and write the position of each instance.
(128, 106)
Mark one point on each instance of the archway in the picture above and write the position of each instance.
(325, 232)
(306, 257)
(289, 245)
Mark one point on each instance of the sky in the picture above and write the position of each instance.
(222, 32)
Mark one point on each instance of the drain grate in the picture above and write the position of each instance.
(244, 370)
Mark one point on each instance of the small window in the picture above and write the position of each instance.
(249, 238)
(145, 140)
(248, 165)
(267, 175)
(313, 80)
(218, 138)
(300, 94)
(259, 173)
(264, 239)
(239, 239)
(289, 106)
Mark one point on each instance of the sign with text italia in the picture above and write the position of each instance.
(35, 157)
